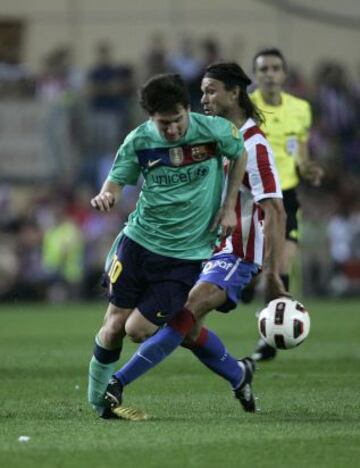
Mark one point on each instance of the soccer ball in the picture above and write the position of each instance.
(284, 323)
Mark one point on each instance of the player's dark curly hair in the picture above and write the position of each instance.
(163, 93)
(231, 74)
(272, 52)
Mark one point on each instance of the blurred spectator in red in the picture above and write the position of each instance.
(78, 208)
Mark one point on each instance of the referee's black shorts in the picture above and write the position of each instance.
(291, 205)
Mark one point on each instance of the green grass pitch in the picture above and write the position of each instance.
(310, 397)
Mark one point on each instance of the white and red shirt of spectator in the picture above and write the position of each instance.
(261, 181)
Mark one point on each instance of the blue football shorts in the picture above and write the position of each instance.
(231, 274)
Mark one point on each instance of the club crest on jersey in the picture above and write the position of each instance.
(199, 153)
(176, 156)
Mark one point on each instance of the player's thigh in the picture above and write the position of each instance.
(231, 275)
(124, 276)
(204, 297)
(169, 283)
(162, 301)
(138, 327)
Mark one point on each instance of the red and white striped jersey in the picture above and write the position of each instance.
(260, 181)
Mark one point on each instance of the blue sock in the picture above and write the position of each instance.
(210, 350)
(156, 348)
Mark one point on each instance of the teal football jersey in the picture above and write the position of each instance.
(182, 187)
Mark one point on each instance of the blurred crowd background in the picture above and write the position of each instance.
(60, 127)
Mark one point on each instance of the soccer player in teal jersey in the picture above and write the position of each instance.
(157, 258)
(261, 220)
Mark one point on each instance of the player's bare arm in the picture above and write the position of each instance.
(309, 169)
(108, 196)
(227, 216)
(274, 233)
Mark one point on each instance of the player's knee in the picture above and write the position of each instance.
(137, 337)
(137, 334)
(113, 328)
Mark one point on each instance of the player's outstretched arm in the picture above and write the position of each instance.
(108, 196)
(274, 233)
(228, 218)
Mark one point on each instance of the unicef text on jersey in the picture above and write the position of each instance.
(183, 177)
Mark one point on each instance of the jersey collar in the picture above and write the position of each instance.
(248, 124)
(265, 104)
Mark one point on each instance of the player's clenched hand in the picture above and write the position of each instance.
(104, 201)
(226, 219)
(311, 172)
(274, 287)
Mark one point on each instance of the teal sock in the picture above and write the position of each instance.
(99, 376)
(101, 368)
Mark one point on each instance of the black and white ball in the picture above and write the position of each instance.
(284, 323)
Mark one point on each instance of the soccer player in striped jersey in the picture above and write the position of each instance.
(157, 257)
(286, 126)
(260, 222)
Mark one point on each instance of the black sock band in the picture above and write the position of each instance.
(106, 356)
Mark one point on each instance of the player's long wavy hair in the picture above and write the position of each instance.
(231, 74)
